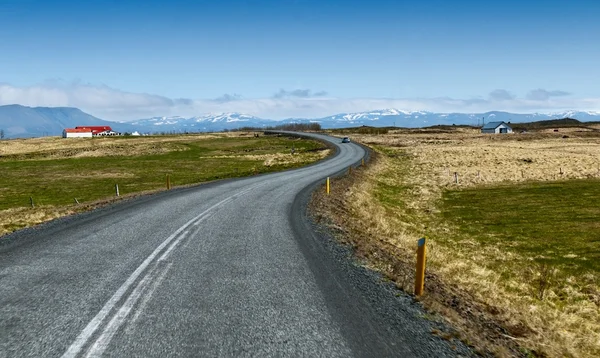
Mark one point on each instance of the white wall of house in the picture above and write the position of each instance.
(77, 134)
(503, 128)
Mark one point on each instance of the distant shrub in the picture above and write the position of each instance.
(362, 130)
(372, 130)
(297, 127)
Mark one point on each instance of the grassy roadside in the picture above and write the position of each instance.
(512, 258)
(56, 173)
(554, 223)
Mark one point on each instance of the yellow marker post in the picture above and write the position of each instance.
(420, 276)
(327, 185)
(168, 182)
(362, 162)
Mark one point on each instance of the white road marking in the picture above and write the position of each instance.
(85, 335)
(111, 328)
(147, 297)
(168, 251)
(98, 348)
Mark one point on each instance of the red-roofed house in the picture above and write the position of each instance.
(99, 130)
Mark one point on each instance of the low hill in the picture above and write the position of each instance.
(553, 123)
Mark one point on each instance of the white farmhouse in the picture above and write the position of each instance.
(496, 127)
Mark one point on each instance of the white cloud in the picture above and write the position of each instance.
(298, 93)
(501, 95)
(113, 104)
(543, 95)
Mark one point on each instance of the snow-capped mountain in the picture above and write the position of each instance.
(206, 122)
(385, 117)
(411, 119)
(371, 116)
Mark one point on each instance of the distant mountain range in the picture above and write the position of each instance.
(204, 123)
(380, 118)
(21, 121)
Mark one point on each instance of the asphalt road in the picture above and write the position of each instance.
(231, 268)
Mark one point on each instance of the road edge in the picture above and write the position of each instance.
(359, 297)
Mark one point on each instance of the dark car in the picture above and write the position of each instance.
(345, 140)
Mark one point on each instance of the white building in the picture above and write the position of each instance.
(77, 133)
(108, 133)
(496, 127)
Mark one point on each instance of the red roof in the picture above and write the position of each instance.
(77, 130)
(95, 129)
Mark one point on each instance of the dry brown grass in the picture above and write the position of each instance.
(57, 147)
(20, 217)
(279, 158)
(26, 217)
(509, 313)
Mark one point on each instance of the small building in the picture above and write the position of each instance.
(496, 127)
(106, 133)
(77, 133)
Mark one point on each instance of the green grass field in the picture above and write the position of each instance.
(60, 176)
(557, 223)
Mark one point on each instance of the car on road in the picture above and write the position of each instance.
(345, 140)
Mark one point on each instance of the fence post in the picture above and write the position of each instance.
(168, 181)
(31, 202)
(327, 185)
(420, 276)
(456, 177)
(117, 189)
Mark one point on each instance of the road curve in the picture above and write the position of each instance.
(225, 269)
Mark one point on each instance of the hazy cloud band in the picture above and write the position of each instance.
(113, 104)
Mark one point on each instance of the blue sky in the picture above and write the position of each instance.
(299, 58)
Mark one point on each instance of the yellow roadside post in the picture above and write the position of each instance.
(327, 185)
(420, 276)
(362, 162)
(168, 182)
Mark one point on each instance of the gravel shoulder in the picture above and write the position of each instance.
(382, 320)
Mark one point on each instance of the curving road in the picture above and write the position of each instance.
(225, 269)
